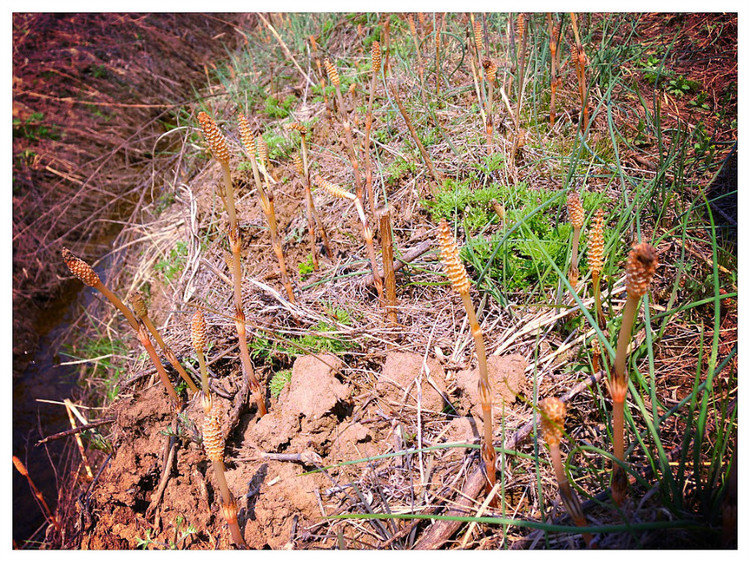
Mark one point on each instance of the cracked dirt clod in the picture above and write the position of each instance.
(400, 371)
(304, 408)
(507, 380)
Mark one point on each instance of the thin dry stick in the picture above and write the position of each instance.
(368, 125)
(474, 36)
(139, 306)
(639, 271)
(387, 45)
(581, 73)
(576, 214)
(68, 408)
(20, 467)
(420, 64)
(438, 40)
(553, 421)
(337, 191)
(435, 174)
(220, 149)
(333, 76)
(386, 243)
(456, 272)
(213, 442)
(286, 50)
(596, 263)
(85, 273)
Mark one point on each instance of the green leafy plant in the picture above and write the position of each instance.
(279, 381)
(172, 265)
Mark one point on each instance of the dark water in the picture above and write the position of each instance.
(45, 379)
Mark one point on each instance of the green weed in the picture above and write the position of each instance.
(172, 265)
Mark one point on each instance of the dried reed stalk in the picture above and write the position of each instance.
(639, 271)
(553, 420)
(220, 149)
(85, 273)
(340, 193)
(456, 272)
(213, 443)
(139, 306)
(376, 59)
(438, 41)
(428, 161)
(387, 45)
(420, 64)
(576, 214)
(333, 76)
(389, 273)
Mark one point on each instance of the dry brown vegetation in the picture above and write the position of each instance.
(384, 418)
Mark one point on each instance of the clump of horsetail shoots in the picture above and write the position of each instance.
(198, 335)
(375, 53)
(596, 354)
(333, 76)
(415, 137)
(474, 36)
(554, 42)
(88, 276)
(341, 193)
(389, 272)
(213, 443)
(576, 214)
(263, 164)
(302, 167)
(490, 69)
(596, 262)
(553, 422)
(258, 152)
(456, 272)
(520, 83)
(139, 306)
(220, 149)
(639, 271)
(580, 60)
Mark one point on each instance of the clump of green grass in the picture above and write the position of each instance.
(105, 367)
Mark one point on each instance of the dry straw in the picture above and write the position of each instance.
(456, 272)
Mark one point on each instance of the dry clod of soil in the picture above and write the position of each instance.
(305, 405)
(352, 441)
(507, 380)
(399, 374)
